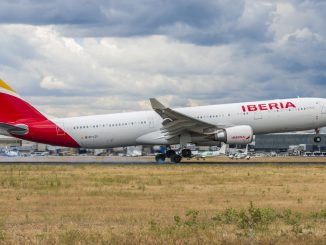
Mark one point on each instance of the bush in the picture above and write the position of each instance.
(228, 216)
(256, 218)
(192, 216)
(291, 218)
(191, 219)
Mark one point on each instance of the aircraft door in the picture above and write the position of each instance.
(150, 122)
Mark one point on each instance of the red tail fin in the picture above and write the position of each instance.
(13, 108)
(21, 120)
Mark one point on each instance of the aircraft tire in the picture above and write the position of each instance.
(186, 153)
(317, 139)
(170, 153)
(176, 159)
(160, 158)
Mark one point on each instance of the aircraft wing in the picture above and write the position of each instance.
(8, 129)
(176, 123)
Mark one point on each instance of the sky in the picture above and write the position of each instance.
(84, 57)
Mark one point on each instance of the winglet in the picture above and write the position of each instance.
(156, 105)
(6, 86)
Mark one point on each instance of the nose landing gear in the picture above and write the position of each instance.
(317, 138)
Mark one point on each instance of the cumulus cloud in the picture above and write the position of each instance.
(49, 82)
(203, 22)
(110, 56)
(50, 12)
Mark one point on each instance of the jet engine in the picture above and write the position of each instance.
(235, 135)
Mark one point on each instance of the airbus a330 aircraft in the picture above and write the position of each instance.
(228, 123)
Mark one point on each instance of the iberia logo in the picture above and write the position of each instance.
(238, 137)
(268, 107)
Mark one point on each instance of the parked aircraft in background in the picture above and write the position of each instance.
(11, 153)
(207, 154)
(241, 155)
(229, 123)
(135, 153)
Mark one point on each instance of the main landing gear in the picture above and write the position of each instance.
(170, 153)
(175, 158)
(160, 158)
(186, 153)
(317, 138)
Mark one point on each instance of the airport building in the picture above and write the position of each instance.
(262, 143)
(282, 142)
(9, 141)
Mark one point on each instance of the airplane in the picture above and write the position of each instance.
(11, 153)
(207, 154)
(229, 123)
(134, 153)
(241, 155)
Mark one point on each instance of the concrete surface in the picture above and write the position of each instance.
(150, 160)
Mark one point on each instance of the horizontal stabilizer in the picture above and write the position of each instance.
(19, 129)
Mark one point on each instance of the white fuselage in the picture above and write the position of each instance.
(137, 128)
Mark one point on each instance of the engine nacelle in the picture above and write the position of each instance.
(235, 135)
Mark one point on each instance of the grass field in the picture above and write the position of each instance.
(166, 204)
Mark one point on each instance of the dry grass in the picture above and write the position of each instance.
(166, 204)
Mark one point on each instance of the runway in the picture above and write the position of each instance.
(149, 160)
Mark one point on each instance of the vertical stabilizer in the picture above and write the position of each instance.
(13, 108)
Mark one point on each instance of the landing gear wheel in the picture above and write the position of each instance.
(176, 158)
(160, 158)
(317, 139)
(186, 153)
(170, 153)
